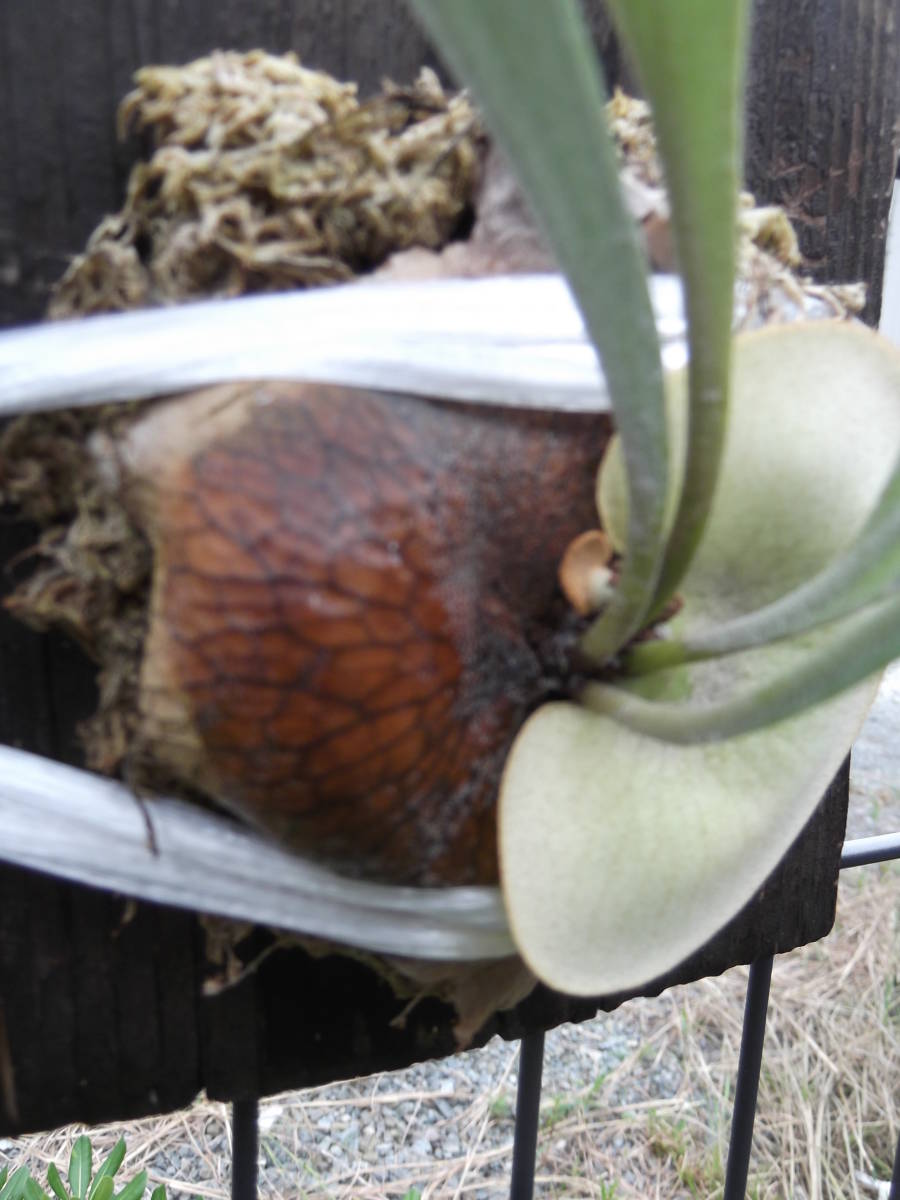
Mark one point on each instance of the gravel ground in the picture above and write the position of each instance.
(875, 765)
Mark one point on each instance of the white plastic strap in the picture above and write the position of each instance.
(79, 826)
(507, 340)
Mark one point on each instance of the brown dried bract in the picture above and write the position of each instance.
(584, 565)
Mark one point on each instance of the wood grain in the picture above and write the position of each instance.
(823, 128)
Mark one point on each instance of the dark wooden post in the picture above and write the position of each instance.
(101, 1009)
(823, 128)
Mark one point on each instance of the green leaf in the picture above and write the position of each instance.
(80, 1167)
(104, 1188)
(158, 1193)
(54, 1182)
(34, 1191)
(857, 647)
(108, 1167)
(867, 573)
(853, 365)
(689, 57)
(535, 75)
(621, 853)
(3, 1176)
(135, 1189)
(14, 1188)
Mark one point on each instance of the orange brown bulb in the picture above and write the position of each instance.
(354, 608)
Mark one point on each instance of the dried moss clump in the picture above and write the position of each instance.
(266, 176)
(770, 286)
(92, 565)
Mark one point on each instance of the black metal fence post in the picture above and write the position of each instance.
(742, 1119)
(244, 1148)
(528, 1104)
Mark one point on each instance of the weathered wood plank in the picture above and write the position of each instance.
(136, 1036)
(822, 128)
(823, 100)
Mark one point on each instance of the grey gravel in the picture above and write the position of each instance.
(875, 765)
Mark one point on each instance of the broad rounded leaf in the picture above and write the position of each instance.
(622, 853)
(813, 438)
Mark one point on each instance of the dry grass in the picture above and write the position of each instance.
(654, 1125)
(829, 1106)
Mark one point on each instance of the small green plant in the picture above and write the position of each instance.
(560, 1108)
(596, 1087)
(83, 1184)
(697, 1167)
